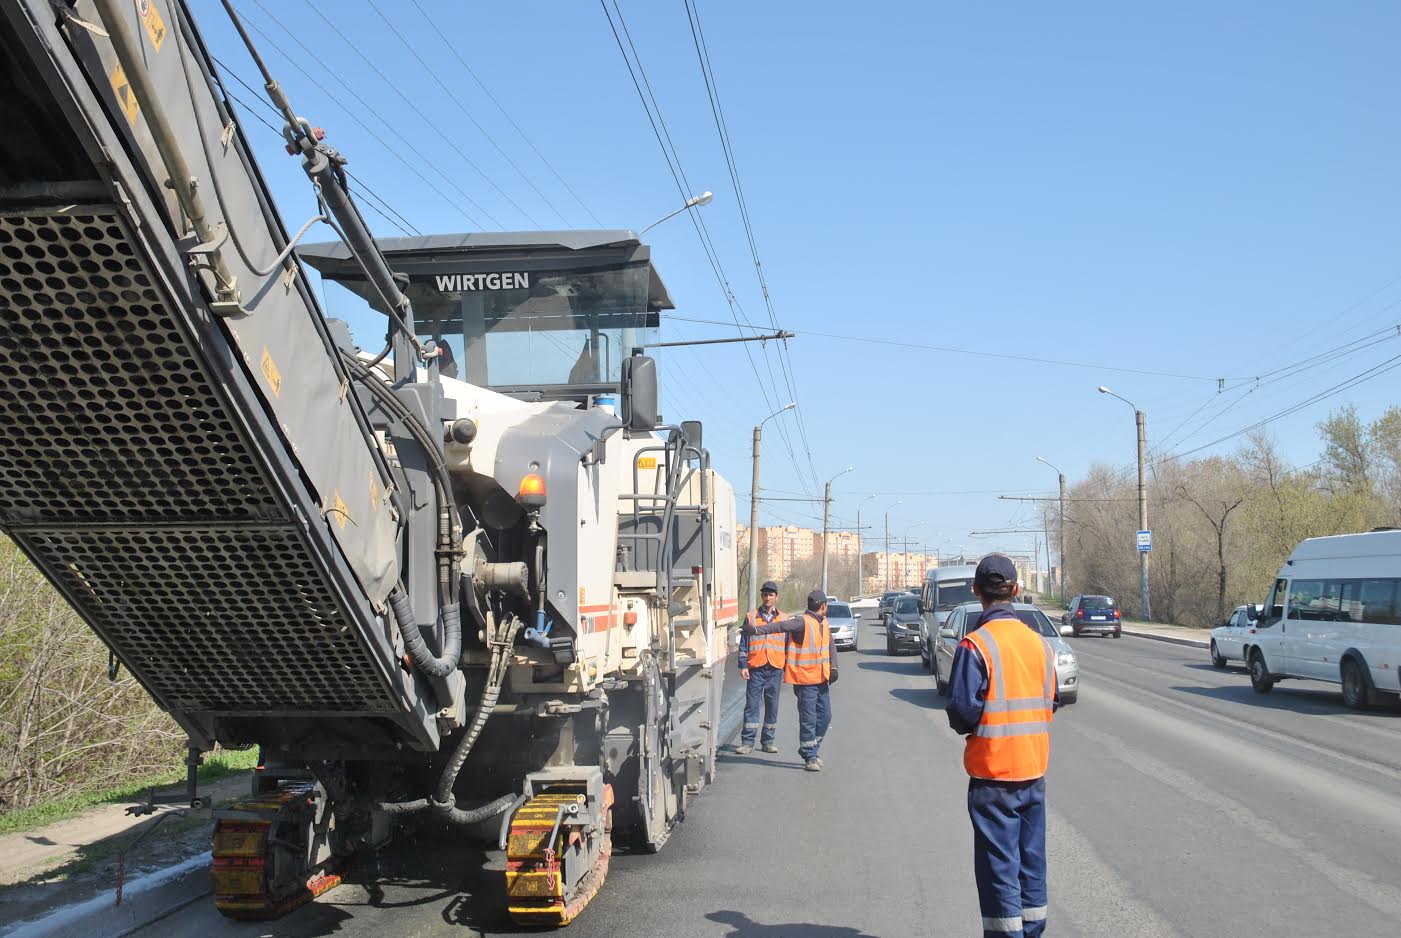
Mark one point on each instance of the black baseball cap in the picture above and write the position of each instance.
(769, 587)
(995, 572)
(815, 600)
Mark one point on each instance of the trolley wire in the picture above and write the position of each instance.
(504, 113)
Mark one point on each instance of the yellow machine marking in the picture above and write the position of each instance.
(340, 510)
(151, 19)
(126, 98)
(271, 372)
(647, 462)
(534, 874)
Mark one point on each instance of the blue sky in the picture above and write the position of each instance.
(1200, 189)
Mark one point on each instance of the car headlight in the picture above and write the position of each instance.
(1065, 658)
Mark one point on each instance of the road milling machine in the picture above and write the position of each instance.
(470, 576)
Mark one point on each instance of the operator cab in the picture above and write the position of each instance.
(546, 315)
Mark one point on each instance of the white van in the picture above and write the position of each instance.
(1334, 615)
(944, 588)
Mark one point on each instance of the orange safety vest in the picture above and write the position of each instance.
(1012, 742)
(770, 649)
(810, 662)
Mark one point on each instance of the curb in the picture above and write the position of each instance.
(147, 900)
(1170, 639)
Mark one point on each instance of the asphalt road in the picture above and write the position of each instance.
(1181, 804)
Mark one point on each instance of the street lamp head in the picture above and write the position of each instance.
(789, 406)
(1104, 390)
(705, 198)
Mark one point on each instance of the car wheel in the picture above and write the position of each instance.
(889, 645)
(941, 686)
(1354, 685)
(1260, 678)
(924, 656)
(1117, 633)
(1217, 660)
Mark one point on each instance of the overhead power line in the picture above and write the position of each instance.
(452, 48)
(673, 161)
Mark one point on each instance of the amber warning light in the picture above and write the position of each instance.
(532, 491)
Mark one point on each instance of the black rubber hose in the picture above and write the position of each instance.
(445, 663)
(457, 815)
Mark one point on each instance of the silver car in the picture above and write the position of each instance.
(961, 619)
(842, 621)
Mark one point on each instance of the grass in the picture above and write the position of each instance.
(216, 765)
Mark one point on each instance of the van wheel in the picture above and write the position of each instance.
(941, 686)
(1260, 678)
(1354, 685)
(1217, 661)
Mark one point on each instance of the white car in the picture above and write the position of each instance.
(1228, 641)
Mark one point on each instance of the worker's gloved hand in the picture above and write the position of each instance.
(744, 673)
(833, 678)
(747, 629)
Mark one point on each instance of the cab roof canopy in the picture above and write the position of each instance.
(487, 251)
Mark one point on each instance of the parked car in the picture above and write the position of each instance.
(1093, 615)
(841, 618)
(902, 625)
(1228, 639)
(961, 619)
(887, 599)
(1334, 614)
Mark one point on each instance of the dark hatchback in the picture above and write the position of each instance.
(1093, 615)
(902, 627)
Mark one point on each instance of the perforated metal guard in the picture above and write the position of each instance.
(124, 472)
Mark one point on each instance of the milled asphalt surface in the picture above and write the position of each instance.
(1181, 803)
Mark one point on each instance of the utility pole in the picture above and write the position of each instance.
(887, 542)
(1140, 421)
(826, 512)
(860, 546)
(754, 511)
(905, 557)
(1060, 521)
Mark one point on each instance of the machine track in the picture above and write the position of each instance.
(539, 852)
(252, 845)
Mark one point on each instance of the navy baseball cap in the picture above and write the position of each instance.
(815, 599)
(769, 587)
(995, 572)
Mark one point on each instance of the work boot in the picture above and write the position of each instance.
(770, 747)
(818, 760)
(744, 749)
(813, 765)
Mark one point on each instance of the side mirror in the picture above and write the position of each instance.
(691, 429)
(1066, 631)
(946, 633)
(1252, 612)
(640, 393)
(856, 613)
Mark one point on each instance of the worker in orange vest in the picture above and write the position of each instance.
(761, 662)
(811, 668)
(1002, 693)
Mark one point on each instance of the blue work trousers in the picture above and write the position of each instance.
(1009, 855)
(814, 717)
(761, 701)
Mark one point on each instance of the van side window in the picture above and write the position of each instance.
(1274, 606)
(1378, 601)
(1306, 601)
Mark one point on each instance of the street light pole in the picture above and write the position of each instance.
(754, 510)
(695, 200)
(1060, 536)
(1140, 425)
(905, 558)
(826, 512)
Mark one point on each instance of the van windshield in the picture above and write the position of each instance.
(950, 593)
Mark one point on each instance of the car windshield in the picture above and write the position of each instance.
(1038, 621)
(889, 597)
(950, 593)
(906, 606)
(838, 611)
(1098, 602)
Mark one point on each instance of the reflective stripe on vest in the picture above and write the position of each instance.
(770, 649)
(1012, 742)
(811, 661)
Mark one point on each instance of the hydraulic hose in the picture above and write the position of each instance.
(451, 615)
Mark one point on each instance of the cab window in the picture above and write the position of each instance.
(1274, 605)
